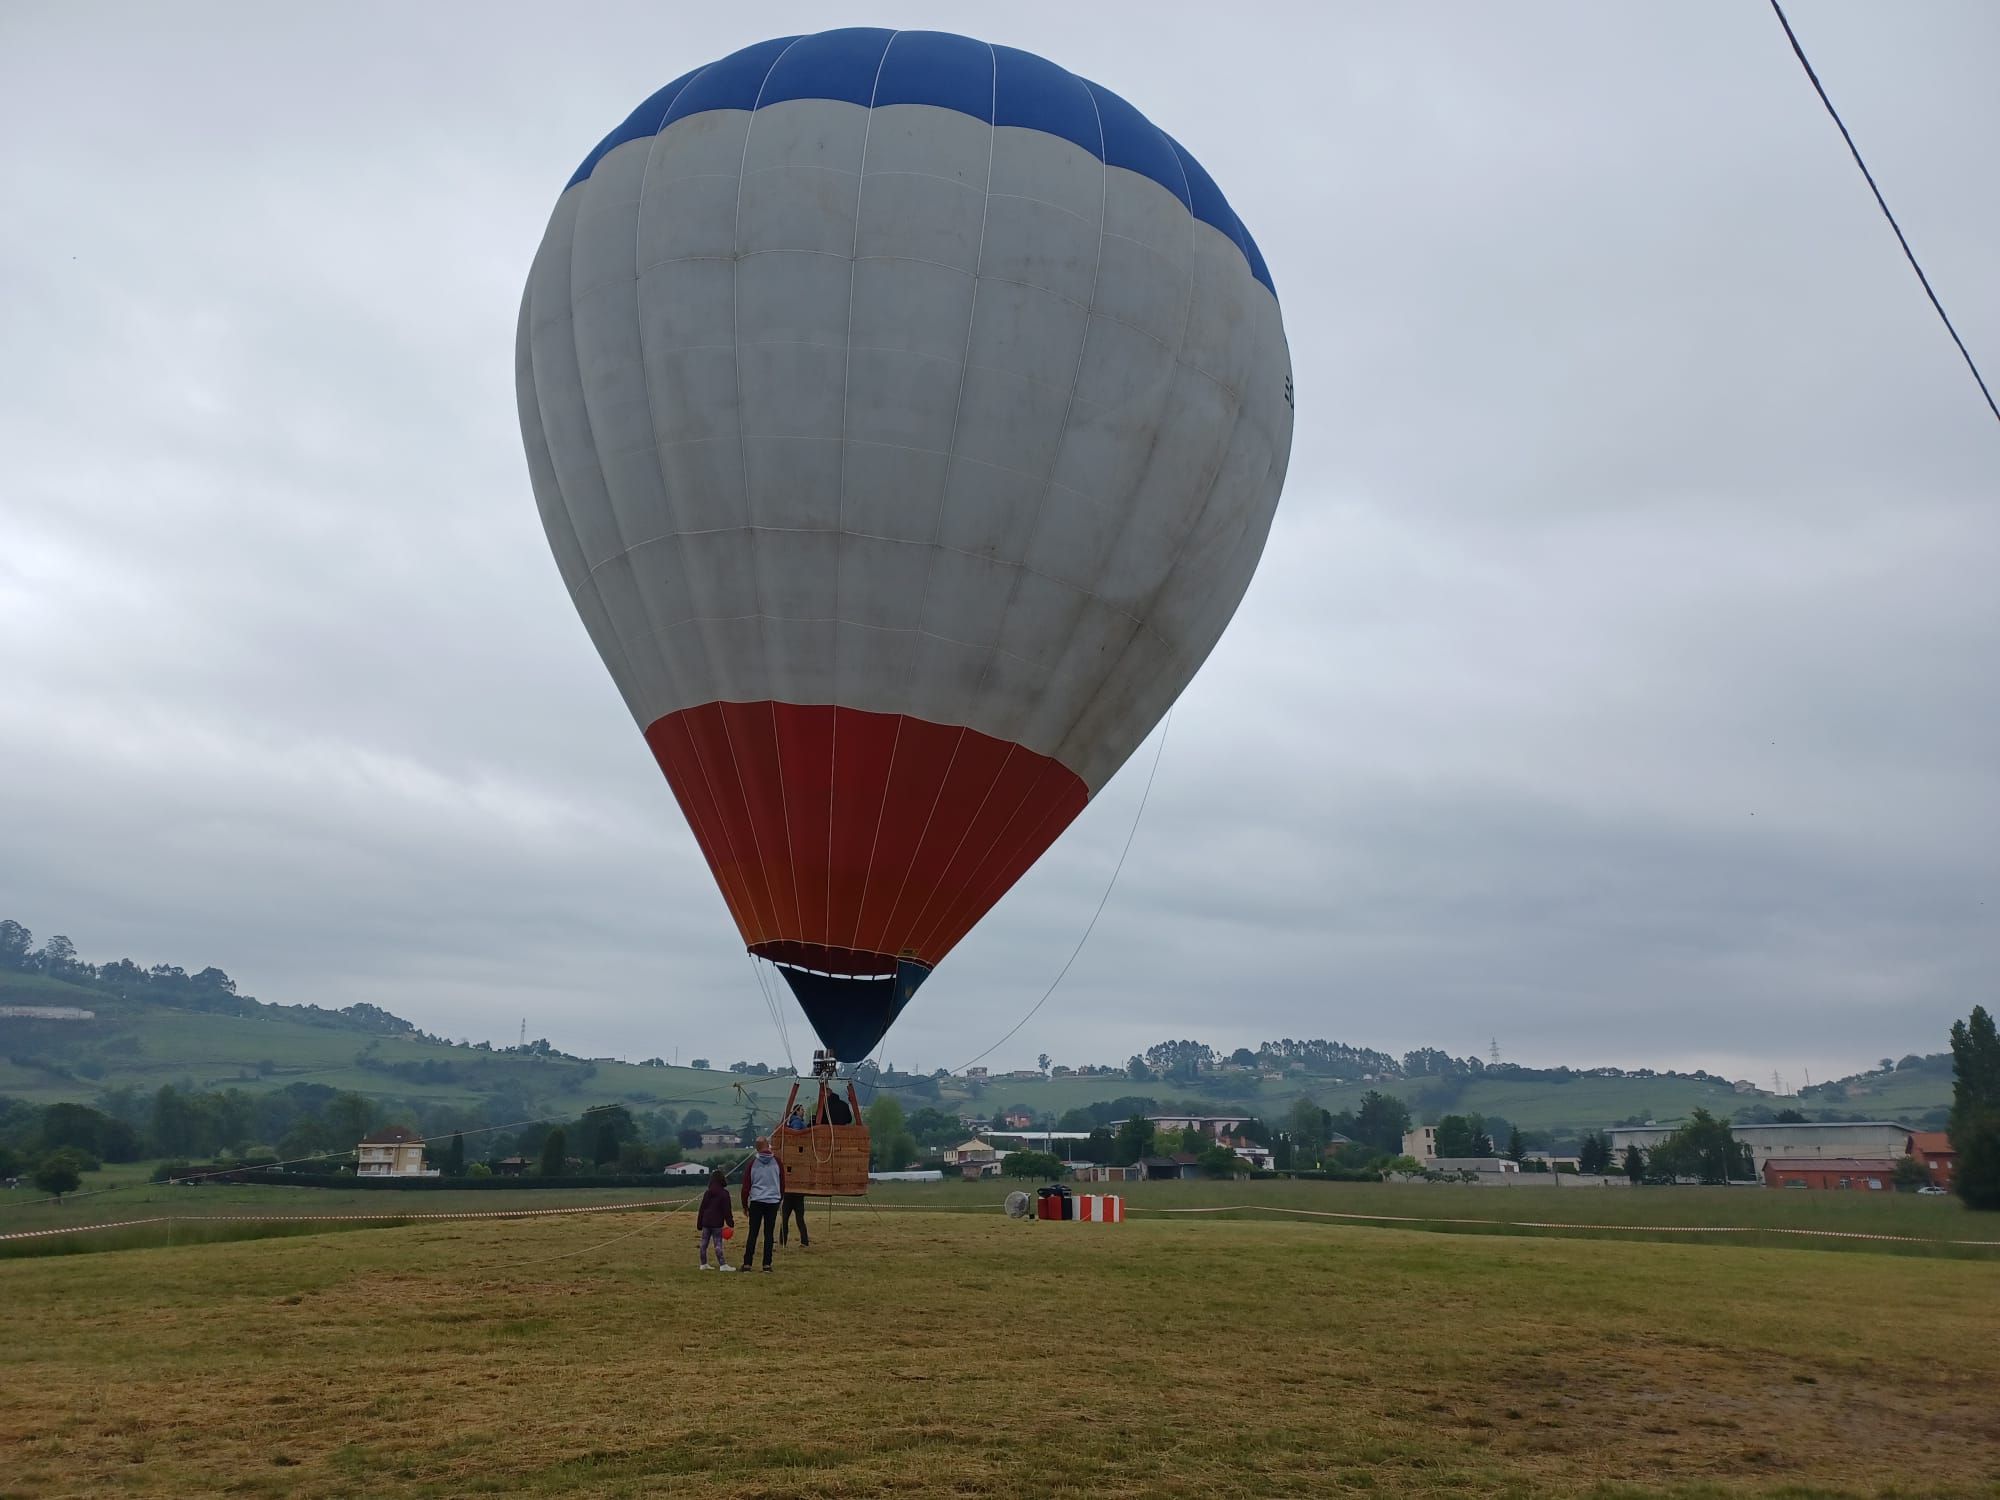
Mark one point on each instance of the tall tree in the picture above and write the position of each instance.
(16, 943)
(1517, 1149)
(555, 1153)
(1704, 1148)
(1975, 1109)
(606, 1129)
(350, 1116)
(1381, 1123)
(1593, 1154)
(1308, 1129)
(891, 1147)
(1134, 1140)
(1459, 1135)
(57, 1174)
(454, 1156)
(1635, 1164)
(59, 958)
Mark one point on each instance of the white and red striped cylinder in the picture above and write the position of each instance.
(1100, 1208)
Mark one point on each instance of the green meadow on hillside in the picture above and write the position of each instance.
(145, 1044)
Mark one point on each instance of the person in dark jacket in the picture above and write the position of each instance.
(763, 1191)
(794, 1208)
(713, 1217)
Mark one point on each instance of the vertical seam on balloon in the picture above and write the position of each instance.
(1069, 406)
(882, 808)
(730, 897)
(957, 412)
(832, 784)
(785, 811)
(889, 922)
(736, 328)
(999, 775)
(750, 817)
(964, 365)
(743, 442)
(979, 865)
(526, 336)
(1143, 613)
(562, 490)
(847, 366)
(997, 881)
(721, 813)
(840, 511)
(677, 692)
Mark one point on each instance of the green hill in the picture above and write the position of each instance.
(159, 1025)
(143, 1043)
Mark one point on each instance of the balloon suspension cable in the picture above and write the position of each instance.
(1144, 798)
(774, 1008)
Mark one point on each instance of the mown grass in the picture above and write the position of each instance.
(1922, 1226)
(923, 1353)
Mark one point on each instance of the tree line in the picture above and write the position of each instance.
(314, 1128)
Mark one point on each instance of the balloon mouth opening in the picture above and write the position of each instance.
(851, 998)
(830, 962)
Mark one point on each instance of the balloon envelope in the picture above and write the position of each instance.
(906, 416)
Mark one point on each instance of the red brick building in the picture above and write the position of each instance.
(1934, 1147)
(1852, 1173)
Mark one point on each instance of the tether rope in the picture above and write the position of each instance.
(1908, 254)
(1144, 797)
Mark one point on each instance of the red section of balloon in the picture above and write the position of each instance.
(841, 839)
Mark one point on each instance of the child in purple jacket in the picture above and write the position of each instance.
(715, 1212)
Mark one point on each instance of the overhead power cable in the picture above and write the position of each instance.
(1908, 254)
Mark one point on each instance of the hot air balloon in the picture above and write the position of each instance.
(907, 416)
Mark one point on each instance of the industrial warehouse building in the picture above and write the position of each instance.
(1935, 1149)
(1850, 1174)
(1872, 1140)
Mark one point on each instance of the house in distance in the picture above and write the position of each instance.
(393, 1151)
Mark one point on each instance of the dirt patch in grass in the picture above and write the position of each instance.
(914, 1354)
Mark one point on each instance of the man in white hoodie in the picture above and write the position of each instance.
(763, 1191)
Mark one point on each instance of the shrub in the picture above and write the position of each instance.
(1032, 1164)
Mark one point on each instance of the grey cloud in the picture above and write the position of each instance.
(1618, 679)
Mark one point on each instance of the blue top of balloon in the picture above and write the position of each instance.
(869, 66)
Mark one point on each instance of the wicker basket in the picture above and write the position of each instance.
(824, 1160)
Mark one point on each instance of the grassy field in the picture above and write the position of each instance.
(928, 1353)
(1920, 1226)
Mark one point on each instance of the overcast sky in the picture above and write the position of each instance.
(1619, 680)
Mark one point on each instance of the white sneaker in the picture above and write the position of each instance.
(706, 1266)
(725, 1268)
